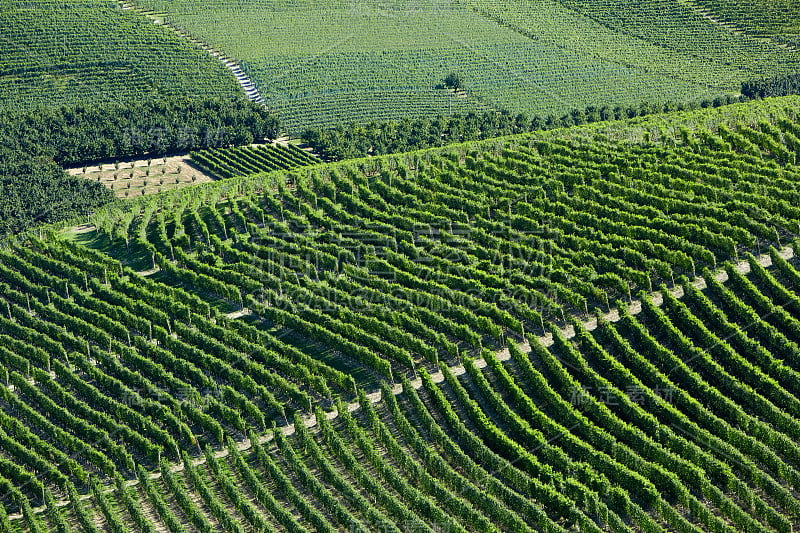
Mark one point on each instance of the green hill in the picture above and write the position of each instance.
(498, 293)
(58, 52)
(340, 61)
(768, 19)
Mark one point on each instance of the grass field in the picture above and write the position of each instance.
(58, 52)
(354, 60)
(590, 329)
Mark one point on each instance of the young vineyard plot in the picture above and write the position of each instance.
(320, 64)
(136, 178)
(243, 161)
(88, 51)
(207, 359)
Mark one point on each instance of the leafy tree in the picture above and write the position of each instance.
(35, 190)
(453, 81)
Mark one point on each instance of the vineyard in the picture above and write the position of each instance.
(361, 61)
(62, 52)
(137, 178)
(765, 19)
(590, 329)
(243, 161)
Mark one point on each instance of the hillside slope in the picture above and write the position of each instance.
(769, 19)
(320, 64)
(58, 52)
(146, 357)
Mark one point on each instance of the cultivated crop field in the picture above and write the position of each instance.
(129, 179)
(591, 329)
(59, 52)
(351, 60)
(243, 161)
(136, 178)
(413, 320)
(767, 19)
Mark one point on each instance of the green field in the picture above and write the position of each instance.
(321, 64)
(778, 20)
(243, 161)
(459, 315)
(64, 52)
(528, 306)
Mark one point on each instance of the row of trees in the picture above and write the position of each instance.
(773, 86)
(352, 140)
(72, 135)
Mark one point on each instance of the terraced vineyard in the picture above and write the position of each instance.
(58, 52)
(243, 161)
(342, 61)
(765, 19)
(147, 359)
(663, 36)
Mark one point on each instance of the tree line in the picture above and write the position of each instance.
(72, 135)
(34, 189)
(352, 140)
(775, 86)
